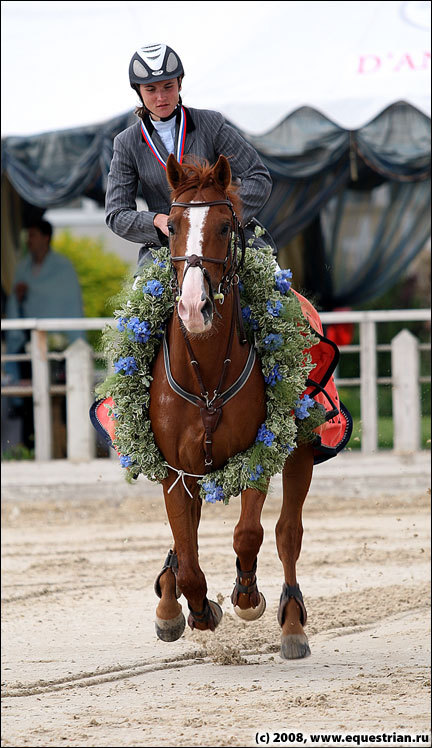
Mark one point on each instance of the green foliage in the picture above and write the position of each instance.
(385, 433)
(18, 452)
(101, 274)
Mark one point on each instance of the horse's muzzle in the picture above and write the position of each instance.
(196, 317)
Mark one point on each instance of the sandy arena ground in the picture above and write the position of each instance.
(82, 666)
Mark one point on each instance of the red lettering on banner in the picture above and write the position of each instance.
(370, 64)
(405, 60)
(426, 61)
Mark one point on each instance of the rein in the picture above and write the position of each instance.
(211, 409)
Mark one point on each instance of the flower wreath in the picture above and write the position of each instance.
(276, 326)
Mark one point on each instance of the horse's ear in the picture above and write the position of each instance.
(222, 173)
(175, 173)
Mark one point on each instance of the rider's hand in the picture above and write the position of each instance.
(160, 222)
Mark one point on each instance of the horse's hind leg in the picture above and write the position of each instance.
(296, 476)
(249, 603)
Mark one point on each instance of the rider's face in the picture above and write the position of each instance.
(160, 98)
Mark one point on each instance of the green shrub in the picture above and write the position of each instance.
(101, 274)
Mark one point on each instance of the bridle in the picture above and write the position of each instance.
(211, 409)
(230, 276)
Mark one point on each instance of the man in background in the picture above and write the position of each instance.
(45, 285)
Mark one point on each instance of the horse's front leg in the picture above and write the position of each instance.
(170, 621)
(297, 475)
(249, 603)
(184, 515)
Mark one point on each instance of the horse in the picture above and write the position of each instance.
(204, 352)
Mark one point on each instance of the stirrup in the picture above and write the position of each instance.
(288, 592)
(171, 562)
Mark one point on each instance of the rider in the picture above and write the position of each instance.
(166, 126)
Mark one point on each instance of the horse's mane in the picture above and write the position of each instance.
(199, 176)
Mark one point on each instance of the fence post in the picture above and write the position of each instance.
(368, 387)
(405, 392)
(79, 388)
(41, 395)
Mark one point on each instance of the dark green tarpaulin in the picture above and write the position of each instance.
(320, 173)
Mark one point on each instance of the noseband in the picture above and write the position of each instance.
(193, 261)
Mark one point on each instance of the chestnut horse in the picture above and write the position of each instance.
(203, 354)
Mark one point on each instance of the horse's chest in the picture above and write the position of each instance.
(181, 429)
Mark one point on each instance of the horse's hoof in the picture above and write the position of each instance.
(251, 614)
(170, 630)
(294, 647)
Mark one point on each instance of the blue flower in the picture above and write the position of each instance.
(159, 263)
(126, 364)
(274, 309)
(274, 376)
(255, 474)
(288, 448)
(125, 461)
(213, 492)
(282, 280)
(153, 287)
(273, 341)
(265, 435)
(140, 330)
(302, 405)
(121, 324)
(247, 315)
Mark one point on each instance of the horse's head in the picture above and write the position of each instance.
(201, 222)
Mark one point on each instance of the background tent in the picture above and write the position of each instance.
(336, 99)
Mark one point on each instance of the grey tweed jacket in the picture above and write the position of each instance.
(207, 136)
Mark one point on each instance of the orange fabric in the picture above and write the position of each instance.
(324, 356)
(105, 420)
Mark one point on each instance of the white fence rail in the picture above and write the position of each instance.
(80, 377)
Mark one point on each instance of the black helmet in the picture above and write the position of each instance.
(155, 62)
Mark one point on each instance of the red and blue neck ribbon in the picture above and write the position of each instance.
(180, 142)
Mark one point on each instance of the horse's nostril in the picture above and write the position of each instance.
(207, 311)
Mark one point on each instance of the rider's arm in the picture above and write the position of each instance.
(121, 213)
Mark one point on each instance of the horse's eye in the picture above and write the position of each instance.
(171, 228)
(224, 230)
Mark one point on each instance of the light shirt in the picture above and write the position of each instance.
(53, 291)
(166, 132)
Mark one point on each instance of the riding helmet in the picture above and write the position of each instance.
(154, 62)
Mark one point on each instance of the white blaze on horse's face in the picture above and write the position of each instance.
(194, 297)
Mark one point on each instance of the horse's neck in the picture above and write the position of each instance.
(208, 350)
